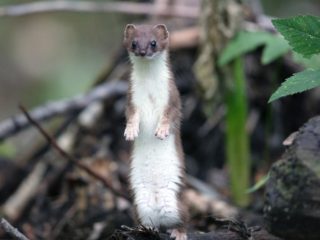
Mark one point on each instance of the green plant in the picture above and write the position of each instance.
(259, 184)
(237, 138)
(303, 35)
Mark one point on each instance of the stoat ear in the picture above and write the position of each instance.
(129, 30)
(161, 31)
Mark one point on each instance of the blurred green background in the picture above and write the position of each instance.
(56, 55)
(53, 55)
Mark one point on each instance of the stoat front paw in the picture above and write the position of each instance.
(178, 235)
(162, 131)
(131, 132)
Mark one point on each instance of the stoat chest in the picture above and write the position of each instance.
(150, 89)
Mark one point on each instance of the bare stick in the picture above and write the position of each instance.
(62, 107)
(91, 6)
(185, 38)
(12, 231)
(64, 154)
(14, 205)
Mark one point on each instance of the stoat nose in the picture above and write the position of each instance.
(142, 53)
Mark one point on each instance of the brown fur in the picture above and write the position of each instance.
(130, 109)
(143, 35)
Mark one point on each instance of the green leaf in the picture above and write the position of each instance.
(259, 184)
(302, 33)
(312, 62)
(299, 82)
(244, 42)
(276, 46)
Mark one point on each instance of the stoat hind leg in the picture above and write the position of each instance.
(179, 234)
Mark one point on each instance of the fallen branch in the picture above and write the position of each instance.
(12, 231)
(64, 154)
(16, 203)
(91, 6)
(185, 38)
(62, 107)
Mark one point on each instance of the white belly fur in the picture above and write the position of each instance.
(155, 165)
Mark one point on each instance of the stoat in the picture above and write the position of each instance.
(153, 116)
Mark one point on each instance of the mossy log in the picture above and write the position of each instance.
(292, 207)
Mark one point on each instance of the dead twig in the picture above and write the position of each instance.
(64, 154)
(12, 231)
(62, 222)
(91, 6)
(62, 107)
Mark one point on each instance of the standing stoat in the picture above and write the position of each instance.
(153, 121)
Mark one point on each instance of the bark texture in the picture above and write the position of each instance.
(219, 21)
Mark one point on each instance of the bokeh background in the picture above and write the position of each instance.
(56, 55)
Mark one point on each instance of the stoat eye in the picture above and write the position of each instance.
(134, 45)
(153, 44)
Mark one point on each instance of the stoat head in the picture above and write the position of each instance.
(146, 41)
